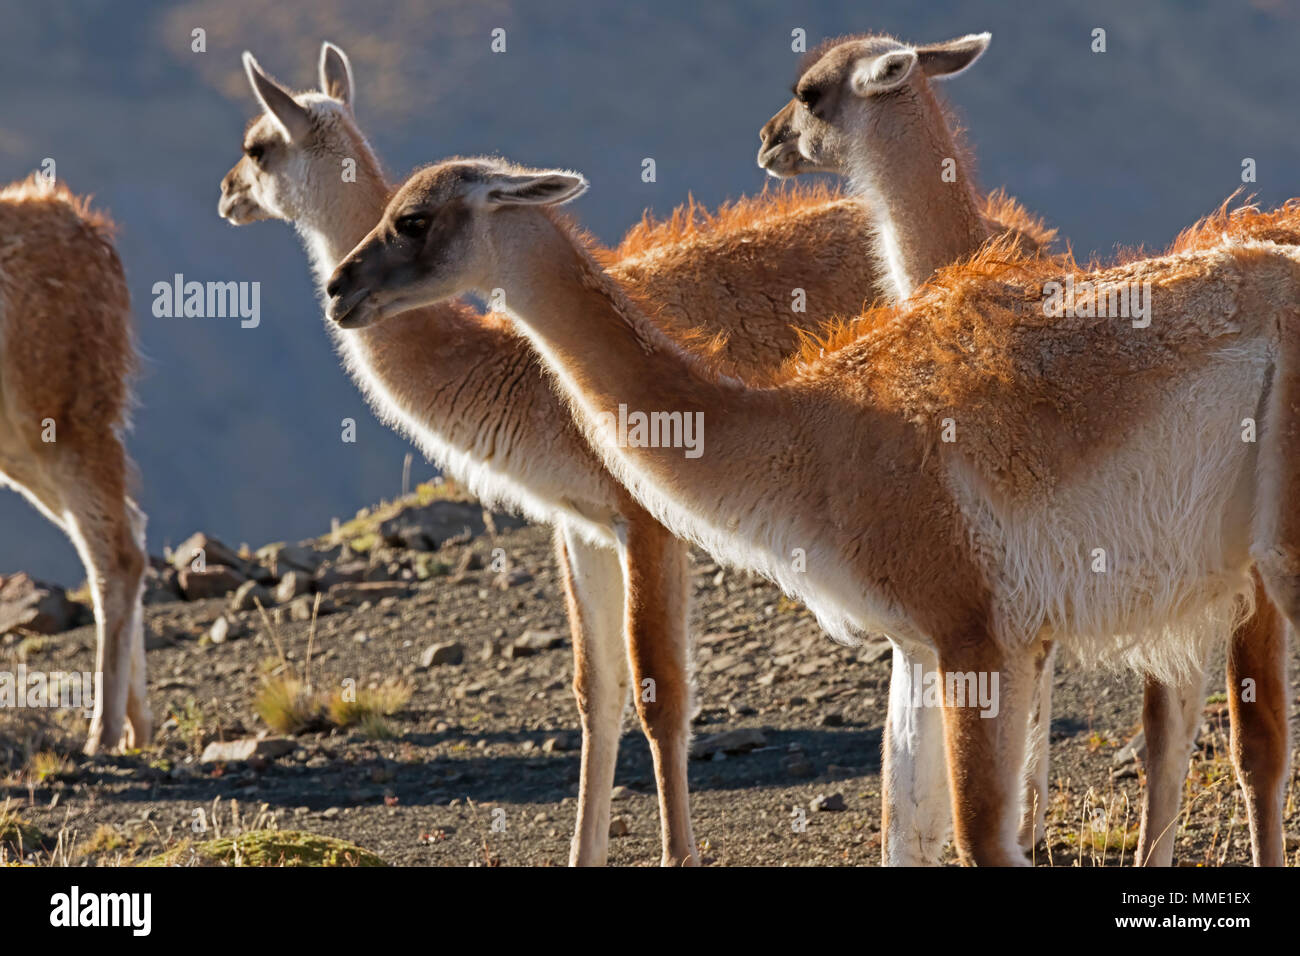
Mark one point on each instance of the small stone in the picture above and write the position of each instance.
(832, 719)
(29, 605)
(447, 652)
(292, 584)
(302, 608)
(331, 813)
(532, 642)
(222, 630)
(216, 580)
(214, 553)
(827, 803)
(1133, 750)
(248, 595)
(729, 742)
(267, 748)
(558, 744)
(619, 827)
(722, 662)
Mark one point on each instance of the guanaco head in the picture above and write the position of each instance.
(870, 86)
(444, 233)
(297, 153)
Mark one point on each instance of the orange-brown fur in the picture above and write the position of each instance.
(797, 140)
(66, 360)
(475, 384)
(79, 374)
(855, 429)
(1260, 725)
(721, 283)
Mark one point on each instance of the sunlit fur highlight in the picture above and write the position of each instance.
(1017, 234)
(693, 219)
(1001, 260)
(965, 345)
(67, 357)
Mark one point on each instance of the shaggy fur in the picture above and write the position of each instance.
(66, 362)
(1072, 434)
(469, 391)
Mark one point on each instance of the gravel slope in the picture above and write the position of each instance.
(483, 764)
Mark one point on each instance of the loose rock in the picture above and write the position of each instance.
(729, 742)
(29, 605)
(533, 642)
(215, 581)
(214, 552)
(248, 595)
(292, 584)
(447, 652)
(268, 748)
(827, 803)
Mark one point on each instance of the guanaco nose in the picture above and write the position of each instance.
(337, 281)
(767, 132)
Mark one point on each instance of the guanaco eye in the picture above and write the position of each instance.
(413, 226)
(255, 152)
(808, 97)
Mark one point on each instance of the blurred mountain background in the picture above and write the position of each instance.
(238, 430)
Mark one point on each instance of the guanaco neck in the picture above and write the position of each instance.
(427, 370)
(331, 230)
(921, 193)
(611, 360)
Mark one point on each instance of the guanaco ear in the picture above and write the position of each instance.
(335, 73)
(535, 189)
(950, 58)
(879, 74)
(277, 101)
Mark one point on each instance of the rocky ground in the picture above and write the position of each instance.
(461, 747)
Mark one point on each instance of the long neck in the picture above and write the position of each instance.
(431, 372)
(669, 428)
(917, 184)
(331, 230)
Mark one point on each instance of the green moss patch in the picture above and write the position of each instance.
(268, 848)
